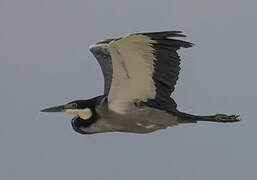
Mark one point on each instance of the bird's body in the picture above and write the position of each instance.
(139, 120)
(140, 73)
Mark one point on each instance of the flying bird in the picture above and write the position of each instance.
(140, 73)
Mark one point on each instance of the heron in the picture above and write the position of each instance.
(140, 73)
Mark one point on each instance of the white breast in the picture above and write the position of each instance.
(83, 113)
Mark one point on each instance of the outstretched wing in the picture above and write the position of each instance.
(145, 67)
(102, 54)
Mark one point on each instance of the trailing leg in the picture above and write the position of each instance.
(184, 117)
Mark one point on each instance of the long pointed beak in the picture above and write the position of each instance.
(54, 109)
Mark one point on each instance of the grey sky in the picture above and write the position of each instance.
(44, 61)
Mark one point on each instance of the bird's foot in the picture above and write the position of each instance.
(227, 118)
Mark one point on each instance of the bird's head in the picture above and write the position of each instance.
(83, 109)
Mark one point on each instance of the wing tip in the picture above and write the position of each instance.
(186, 44)
(164, 34)
(91, 47)
(97, 46)
(168, 35)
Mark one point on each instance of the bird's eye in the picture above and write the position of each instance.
(74, 106)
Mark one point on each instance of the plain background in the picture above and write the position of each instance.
(44, 61)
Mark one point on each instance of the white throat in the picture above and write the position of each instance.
(82, 113)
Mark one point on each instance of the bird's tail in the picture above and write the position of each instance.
(189, 118)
